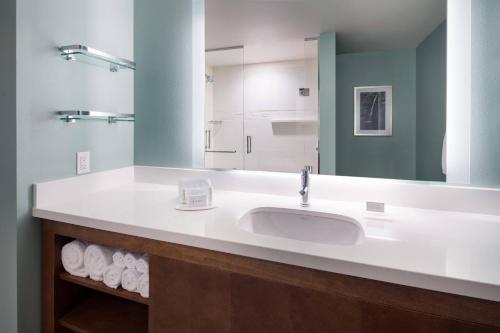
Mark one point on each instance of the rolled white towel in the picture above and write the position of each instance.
(119, 258)
(113, 276)
(131, 259)
(142, 264)
(72, 255)
(96, 259)
(130, 277)
(143, 285)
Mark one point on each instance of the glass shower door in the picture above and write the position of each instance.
(224, 148)
(281, 125)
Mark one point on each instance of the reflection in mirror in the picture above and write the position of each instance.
(261, 115)
(224, 108)
(354, 88)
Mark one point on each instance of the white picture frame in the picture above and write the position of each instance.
(373, 111)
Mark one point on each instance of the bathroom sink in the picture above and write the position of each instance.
(303, 225)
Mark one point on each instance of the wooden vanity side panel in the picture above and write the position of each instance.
(49, 279)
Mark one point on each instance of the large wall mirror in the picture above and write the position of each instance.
(398, 89)
(352, 88)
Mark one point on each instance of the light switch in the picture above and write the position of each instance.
(82, 162)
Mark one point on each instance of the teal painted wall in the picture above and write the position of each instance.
(47, 147)
(327, 102)
(485, 113)
(431, 104)
(8, 226)
(381, 157)
(164, 134)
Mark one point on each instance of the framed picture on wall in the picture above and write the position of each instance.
(373, 111)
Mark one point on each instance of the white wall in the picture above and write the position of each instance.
(270, 92)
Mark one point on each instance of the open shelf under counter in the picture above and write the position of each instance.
(105, 314)
(99, 286)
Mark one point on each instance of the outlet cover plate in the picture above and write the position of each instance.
(82, 162)
(377, 207)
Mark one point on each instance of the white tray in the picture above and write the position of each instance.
(187, 208)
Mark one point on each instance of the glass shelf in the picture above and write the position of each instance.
(75, 115)
(294, 121)
(92, 56)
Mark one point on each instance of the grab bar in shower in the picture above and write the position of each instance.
(221, 151)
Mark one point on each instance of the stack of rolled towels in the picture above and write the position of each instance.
(114, 267)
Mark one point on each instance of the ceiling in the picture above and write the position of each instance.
(274, 30)
(231, 57)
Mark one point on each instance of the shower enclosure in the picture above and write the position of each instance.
(262, 113)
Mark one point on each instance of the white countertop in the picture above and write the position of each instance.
(454, 252)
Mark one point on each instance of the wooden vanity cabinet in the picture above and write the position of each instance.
(197, 290)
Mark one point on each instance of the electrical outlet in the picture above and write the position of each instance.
(377, 207)
(82, 162)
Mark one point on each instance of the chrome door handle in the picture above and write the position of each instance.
(208, 140)
(249, 144)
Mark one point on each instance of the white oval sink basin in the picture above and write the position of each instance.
(303, 225)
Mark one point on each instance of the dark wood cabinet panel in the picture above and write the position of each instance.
(196, 298)
(313, 311)
(260, 305)
(188, 298)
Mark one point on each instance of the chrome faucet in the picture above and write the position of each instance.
(306, 180)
